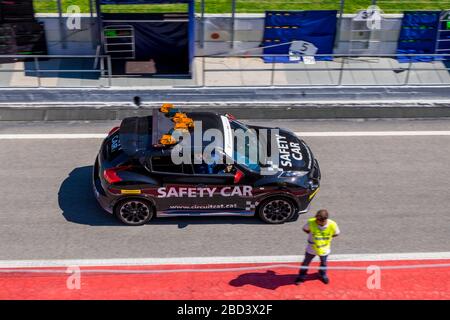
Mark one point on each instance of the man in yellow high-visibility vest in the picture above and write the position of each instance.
(321, 231)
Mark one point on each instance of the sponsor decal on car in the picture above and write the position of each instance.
(201, 192)
(204, 207)
(115, 143)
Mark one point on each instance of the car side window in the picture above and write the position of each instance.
(214, 168)
(216, 165)
(203, 168)
(165, 164)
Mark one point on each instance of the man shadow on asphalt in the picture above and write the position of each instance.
(78, 204)
(269, 280)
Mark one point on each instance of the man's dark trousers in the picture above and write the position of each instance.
(307, 261)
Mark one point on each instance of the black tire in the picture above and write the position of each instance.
(295, 216)
(276, 210)
(134, 212)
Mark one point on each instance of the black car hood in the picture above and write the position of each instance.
(294, 155)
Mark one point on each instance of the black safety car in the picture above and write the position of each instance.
(136, 179)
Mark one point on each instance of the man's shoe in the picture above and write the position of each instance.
(299, 280)
(325, 279)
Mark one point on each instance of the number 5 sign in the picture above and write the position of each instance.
(301, 48)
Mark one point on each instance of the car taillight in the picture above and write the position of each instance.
(113, 130)
(111, 175)
(238, 176)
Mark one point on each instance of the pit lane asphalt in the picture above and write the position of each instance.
(388, 194)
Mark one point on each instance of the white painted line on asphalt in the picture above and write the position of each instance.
(53, 136)
(219, 260)
(373, 133)
(301, 134)
(117, 270)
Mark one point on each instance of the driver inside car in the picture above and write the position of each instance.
(229, 168)
(208, 167)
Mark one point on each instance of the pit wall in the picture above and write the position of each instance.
(217, 35)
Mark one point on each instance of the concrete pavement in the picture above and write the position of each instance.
(233, 71)
(275, 104)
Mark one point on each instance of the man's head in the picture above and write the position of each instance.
(322, 217)
(229, 168)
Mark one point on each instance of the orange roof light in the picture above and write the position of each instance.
(182, 118)
(167, 139)
(181, 126)
(179, 116)
(181, 122)
(165, 108)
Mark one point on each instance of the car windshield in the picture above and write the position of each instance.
(241, 155)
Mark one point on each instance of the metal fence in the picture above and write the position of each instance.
(332, 70)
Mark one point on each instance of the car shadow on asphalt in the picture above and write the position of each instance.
(78, 204)
(77, 201)
(183, 222)
(269, 280)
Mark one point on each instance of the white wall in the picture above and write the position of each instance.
(78, 42)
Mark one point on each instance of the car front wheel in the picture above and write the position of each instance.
(276, 210)
(134, 212)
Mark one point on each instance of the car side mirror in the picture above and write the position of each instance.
(238, 176)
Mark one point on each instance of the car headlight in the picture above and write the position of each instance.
(312, 185)
(293, 173)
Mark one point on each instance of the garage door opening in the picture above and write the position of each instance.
(145, 39)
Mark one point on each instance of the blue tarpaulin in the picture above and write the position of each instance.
(418, 35)
(315, 27)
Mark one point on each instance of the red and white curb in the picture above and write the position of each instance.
(366, 276)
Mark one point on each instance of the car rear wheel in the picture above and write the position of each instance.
(276, 210)
(134, 212)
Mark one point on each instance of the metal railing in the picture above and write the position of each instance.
(341, 64)
(41, 67)
(229, 71)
